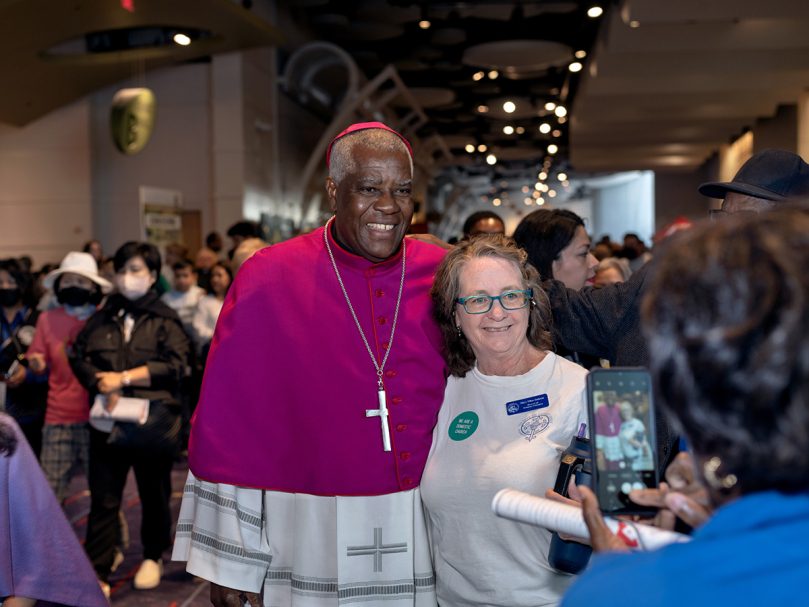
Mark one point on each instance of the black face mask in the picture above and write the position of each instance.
(74, 296)
(10, 297)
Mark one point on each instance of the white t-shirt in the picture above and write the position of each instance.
(495, 432)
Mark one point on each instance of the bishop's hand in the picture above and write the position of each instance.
(222, 596)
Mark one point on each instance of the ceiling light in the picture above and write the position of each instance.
(551, 193)
(537, 186)
(560, 111)
(566, 184)
(424, 24)
(525, 189)
(540, 201)
(493, 74)
(542, 176)
(545, 128)
(520, 130)
(556, 133)
(634, 24)
(581, 54)
(535, 194)
(482, 147)
(470, 148)
(182, 39)
(483, 109)
(553, 148)
(508, 129)
(543, 187)
(496, 202)
(575, 67)
(491, 159)
(509, 107)
(562, 119)
(595, 11)
(550, 106)
(562, 176)
(528, 200)
(478, 76)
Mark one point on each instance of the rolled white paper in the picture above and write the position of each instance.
(563, 518)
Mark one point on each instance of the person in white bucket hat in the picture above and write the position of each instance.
(65, 438)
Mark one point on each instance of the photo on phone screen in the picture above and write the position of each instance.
(622, 435)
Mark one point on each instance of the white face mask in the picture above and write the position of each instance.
(132, 286)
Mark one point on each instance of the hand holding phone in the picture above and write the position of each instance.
(621, 412)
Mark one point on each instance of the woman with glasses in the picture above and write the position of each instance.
(510, 408)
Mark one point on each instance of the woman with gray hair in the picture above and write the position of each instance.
(510, 408)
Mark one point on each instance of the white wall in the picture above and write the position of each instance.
(45, 194)
(177, 157)
(628, 205)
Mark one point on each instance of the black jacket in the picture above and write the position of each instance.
(605, 322)
(157, 341)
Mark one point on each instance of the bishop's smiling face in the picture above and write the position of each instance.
(373, 204)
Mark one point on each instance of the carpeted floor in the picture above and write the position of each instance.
(178, 588)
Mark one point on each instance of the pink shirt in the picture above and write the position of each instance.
(288, 377)
(68, 402)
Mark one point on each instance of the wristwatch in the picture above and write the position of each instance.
(126, 379)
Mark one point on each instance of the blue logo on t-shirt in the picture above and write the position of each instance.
(540, 401)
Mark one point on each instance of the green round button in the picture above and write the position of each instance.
(464, 425)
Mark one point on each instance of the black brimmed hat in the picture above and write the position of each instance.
(770, 174)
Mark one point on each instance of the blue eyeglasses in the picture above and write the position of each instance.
(509, 300)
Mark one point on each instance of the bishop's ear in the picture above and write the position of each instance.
(331, 192)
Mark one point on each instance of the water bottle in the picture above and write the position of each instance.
(567, 556)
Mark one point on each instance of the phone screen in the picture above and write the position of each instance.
(622, 434)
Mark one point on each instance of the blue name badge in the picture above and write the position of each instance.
(515, 407)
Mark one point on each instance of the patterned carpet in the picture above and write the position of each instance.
(178, 588)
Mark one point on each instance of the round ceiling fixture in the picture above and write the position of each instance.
(518, 58)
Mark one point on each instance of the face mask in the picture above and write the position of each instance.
(134, 287)
(74, 296)
(10, 297)
(81, 312)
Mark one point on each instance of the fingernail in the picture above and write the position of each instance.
(677, 503)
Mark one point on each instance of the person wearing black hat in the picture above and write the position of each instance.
(605, 322)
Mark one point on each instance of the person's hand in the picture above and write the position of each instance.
(17, 378)
(109, 381)
(574, 500)
(431, 239)
(36, 362)
(112, 401)
(222, 596)
(683, 496)
(601, 538)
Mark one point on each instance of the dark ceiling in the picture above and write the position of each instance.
(528, 44)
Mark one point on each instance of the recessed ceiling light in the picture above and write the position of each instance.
(519, 130)
(562, 119)
(595, 11)
(509, 107)
(493, 74)
(581, 54)
(551, 193)
(542, 176)
(550, 106)
(540, 201)
(182, 39)
(470, 148)
(553, 148)
(491, 159)
(496, 202)
(424, 24)
(482, 147)
(528, 200)
(508, 129)
(525, 189)
(562, 176)
(483, 109)
(634, 24)
(560, 111)
(575, 67)
(545, 128)
(556, 133)
(478, 76)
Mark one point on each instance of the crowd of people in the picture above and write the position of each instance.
(367, 393)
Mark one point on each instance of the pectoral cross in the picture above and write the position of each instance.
(382, 413)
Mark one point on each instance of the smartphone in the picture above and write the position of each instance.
(622, 437)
